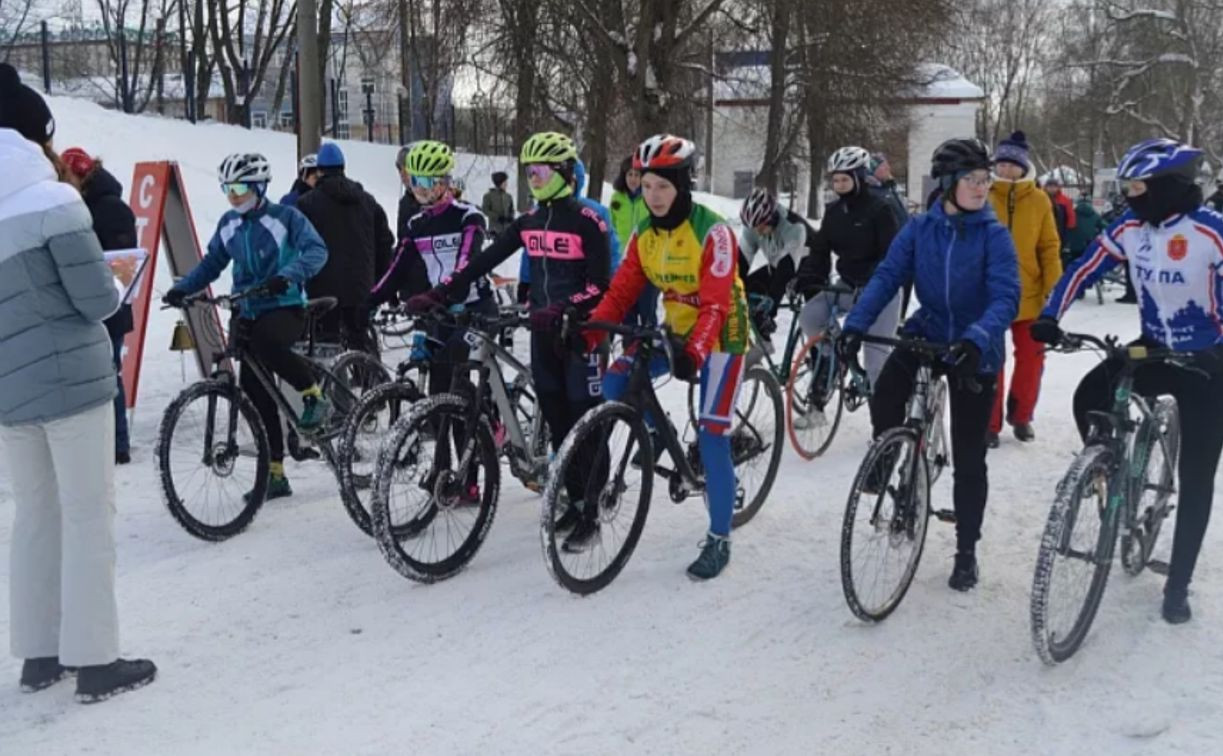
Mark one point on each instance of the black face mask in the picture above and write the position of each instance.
(681, 208)
(1165, 196)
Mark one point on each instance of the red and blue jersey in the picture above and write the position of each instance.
(1177, 271)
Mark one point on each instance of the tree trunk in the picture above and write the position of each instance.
(777, 91)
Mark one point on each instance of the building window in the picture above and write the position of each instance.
(259, 119)
(343, 95)
(743, 183)
(286, 119)
(342, 131)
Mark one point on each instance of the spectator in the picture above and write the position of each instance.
(882, 184)
(115, 226)
(1063, 208)
(628, 210)
(307, 177)
(498, 205)
(57, 381)
(1215, 201)
(359, 244)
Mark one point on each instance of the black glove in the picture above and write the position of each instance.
(174, 298)
(523, 293)
(683, 363)
(433, 299)
(965, 357)
(849, 343)
(549, 318)
(1046, 331)
(276, 285)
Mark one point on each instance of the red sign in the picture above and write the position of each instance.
(1178, 248)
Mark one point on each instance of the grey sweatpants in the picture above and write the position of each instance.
(62, 577)
(818, 311)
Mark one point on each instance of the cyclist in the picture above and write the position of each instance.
(274, 249)
(307, 178)
(689, 253)
(570, 261)
(628, 211)
(784, 238)
(1173, 246)
(963, 266)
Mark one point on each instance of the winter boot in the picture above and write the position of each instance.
(100, 682)
(964, 574)
(1176, 607)
(715, 555)
(315, 410)
(1025, 433)
(579, 539)
(37, 674)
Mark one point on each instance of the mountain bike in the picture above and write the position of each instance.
(212, 447)
(1122, 480)
(438, 476)
(886, 517)
(616, 436)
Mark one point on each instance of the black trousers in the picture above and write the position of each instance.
(970, 415)
(567, 384)
(1199, 400)
(347, 326)
(270, 337)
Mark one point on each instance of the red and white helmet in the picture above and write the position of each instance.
(759, 207)
(664, 151)
(848, 160)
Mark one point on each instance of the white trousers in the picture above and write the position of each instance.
(818, 311)
(62, 581)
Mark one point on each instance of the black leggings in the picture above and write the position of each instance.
(1199, 400)
(970, 415)
(567, 385)
(270, 337)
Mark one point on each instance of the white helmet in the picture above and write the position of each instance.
(758, 208)
(848, 160)
(245, 168)
(308, 163)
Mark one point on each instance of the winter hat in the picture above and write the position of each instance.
(78, 161)
(330, 156)
(23, 109)
(500, 178)
(1014, 149)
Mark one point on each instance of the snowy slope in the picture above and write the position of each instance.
(296, 638)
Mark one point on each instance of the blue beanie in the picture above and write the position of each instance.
(330, 156)
(579, 177)
(1014, 149)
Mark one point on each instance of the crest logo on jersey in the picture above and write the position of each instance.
(1178, 248)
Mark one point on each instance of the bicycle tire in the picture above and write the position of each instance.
(589, 429)
(887, 450)
(395, 399)
(392, 537)
(810, 445)
(181, 510)
(746, 445)
(1091, 465)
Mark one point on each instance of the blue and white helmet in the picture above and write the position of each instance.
(1159, 157)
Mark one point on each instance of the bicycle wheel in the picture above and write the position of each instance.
(1159, 442)
(884, 531)
(756, 438)
(212, 459)
(359, 373)
(431, 512)
(602, 446)
(814, 400)
(366, 429)
(1075, 555)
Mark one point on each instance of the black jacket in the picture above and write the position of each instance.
(115, 226)
(888, 192)
(408, 206)
(358, 239)
(858, 229)
(568, 250)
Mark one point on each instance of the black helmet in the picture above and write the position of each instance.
(957, 157)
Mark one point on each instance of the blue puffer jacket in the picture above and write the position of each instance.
(271, 240)
(966, 277)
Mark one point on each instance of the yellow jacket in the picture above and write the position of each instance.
(1027, 213)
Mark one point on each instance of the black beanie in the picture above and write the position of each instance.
(681, 177)
(499, 178)
(23, 109)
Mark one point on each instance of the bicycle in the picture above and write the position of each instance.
(458, 479)
(817, 383)
(620, 455)
(1127, 471)
(890, 498)
(229, 443)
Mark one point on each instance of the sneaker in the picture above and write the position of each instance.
(715, 555)
(278, 488)
(123, 458)
(103, 681)
(1025, 433)
(964, 574)
(993, 441)
(578, 540)
(1127, 299)
(315, 410)
(37, 674)
(568, 520)
(812, 418)
(1176, 607)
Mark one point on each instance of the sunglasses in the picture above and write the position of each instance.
(424, 182)
(541, 172)
(236, 189)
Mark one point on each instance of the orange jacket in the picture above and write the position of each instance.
(1027, 213)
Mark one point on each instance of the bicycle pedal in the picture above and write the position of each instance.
(946, 515)
(1158, 566)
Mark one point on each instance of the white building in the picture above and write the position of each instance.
(943, 109)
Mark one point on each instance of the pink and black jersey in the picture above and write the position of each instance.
(439, 240)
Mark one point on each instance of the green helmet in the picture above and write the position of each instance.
(548, 147)
(429, 158)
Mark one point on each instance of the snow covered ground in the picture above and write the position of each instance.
(295, 637)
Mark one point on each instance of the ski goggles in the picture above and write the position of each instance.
(425, 182)
(540, 171)
(236, 188)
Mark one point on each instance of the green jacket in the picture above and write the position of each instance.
(627, 213)
(1089, 226)
(498, 207)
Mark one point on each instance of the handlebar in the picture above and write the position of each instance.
(224, 301)
(1112, 348)
(512, 316)
(931, 350)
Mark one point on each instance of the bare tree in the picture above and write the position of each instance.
(246, 36)
(136, 40)
(14, 14)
